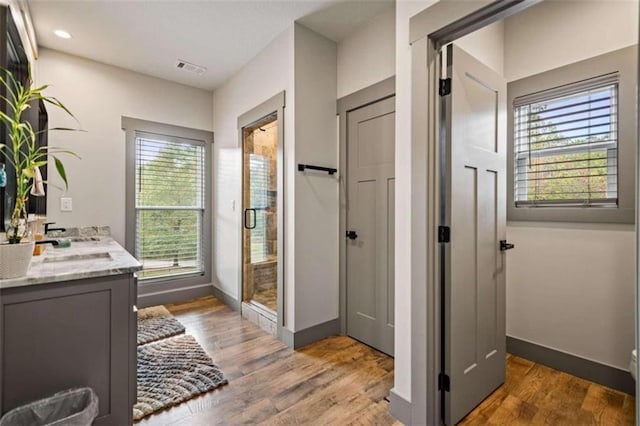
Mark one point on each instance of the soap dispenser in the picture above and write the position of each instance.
(38, 235)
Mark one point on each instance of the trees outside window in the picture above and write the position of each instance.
(169, 205)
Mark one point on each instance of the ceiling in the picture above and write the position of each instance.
(149, 36)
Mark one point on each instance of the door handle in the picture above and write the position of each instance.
(352, 235)
(504, 245)
(246, 224)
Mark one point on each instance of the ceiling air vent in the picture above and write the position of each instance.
(187, 66)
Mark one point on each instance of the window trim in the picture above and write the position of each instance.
(132, 126)
(622, 61)
(607, 82)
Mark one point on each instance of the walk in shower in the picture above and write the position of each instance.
(260, 201)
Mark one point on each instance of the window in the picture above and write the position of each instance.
(566, 145)
(572, 142)
(168, 213)
(169, 205)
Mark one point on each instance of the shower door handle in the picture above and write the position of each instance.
(246, 222)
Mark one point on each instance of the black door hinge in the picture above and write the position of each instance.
(444, 234)
(445, 86)
(444, 383)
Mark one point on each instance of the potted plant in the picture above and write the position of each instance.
(22, 152)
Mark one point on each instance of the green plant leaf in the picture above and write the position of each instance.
(57, 150)
(49, 183)
(56, 102)
(61, 171)
(40, 89)
(63, 129)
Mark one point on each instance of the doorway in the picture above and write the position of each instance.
(260, 217)
(261, 283)
(368, 145)
(428, 40)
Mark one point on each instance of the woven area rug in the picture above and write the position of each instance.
(157, 323)
(172, 371)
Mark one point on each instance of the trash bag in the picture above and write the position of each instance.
(73, 407)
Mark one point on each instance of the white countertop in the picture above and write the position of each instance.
(84, 259)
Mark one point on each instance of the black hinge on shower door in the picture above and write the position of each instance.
(444, 383)
(445, 86)
(444, 234)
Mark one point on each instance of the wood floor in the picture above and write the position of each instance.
(537, 395)
(336, 381)
(339, 381)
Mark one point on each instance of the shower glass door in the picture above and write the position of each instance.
(260, 257)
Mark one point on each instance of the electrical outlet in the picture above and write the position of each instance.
(66, 204)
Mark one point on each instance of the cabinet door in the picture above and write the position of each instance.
(74, 334)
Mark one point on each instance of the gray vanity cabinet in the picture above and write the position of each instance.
(70, 334)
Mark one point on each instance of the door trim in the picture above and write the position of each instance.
(275, 104)
(435, 26)
(362, 98)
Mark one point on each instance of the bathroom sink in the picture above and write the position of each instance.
(78, 257)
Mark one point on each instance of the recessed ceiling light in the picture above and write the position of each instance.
(62, 34)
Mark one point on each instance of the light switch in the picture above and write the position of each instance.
(66, 204)
(233, 205)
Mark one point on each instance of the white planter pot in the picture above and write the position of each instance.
(15, 259)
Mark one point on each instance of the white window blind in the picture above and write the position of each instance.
(566, 145)
(169, 204)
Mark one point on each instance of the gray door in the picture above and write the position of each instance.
(370, 215)
(475, 207)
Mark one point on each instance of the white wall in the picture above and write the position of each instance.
(367, 56)
(556, 33)
(405, 9)
(264, 76)
(303, 64)
(487, 45)
(316, 195)
(99, 95)
(571, 287)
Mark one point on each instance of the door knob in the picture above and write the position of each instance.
(504, 245)
(352, 235)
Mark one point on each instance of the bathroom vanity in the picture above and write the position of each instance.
(71, 322)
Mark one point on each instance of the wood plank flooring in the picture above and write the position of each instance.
(335, 381)
(537, 395)
(339, 381)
